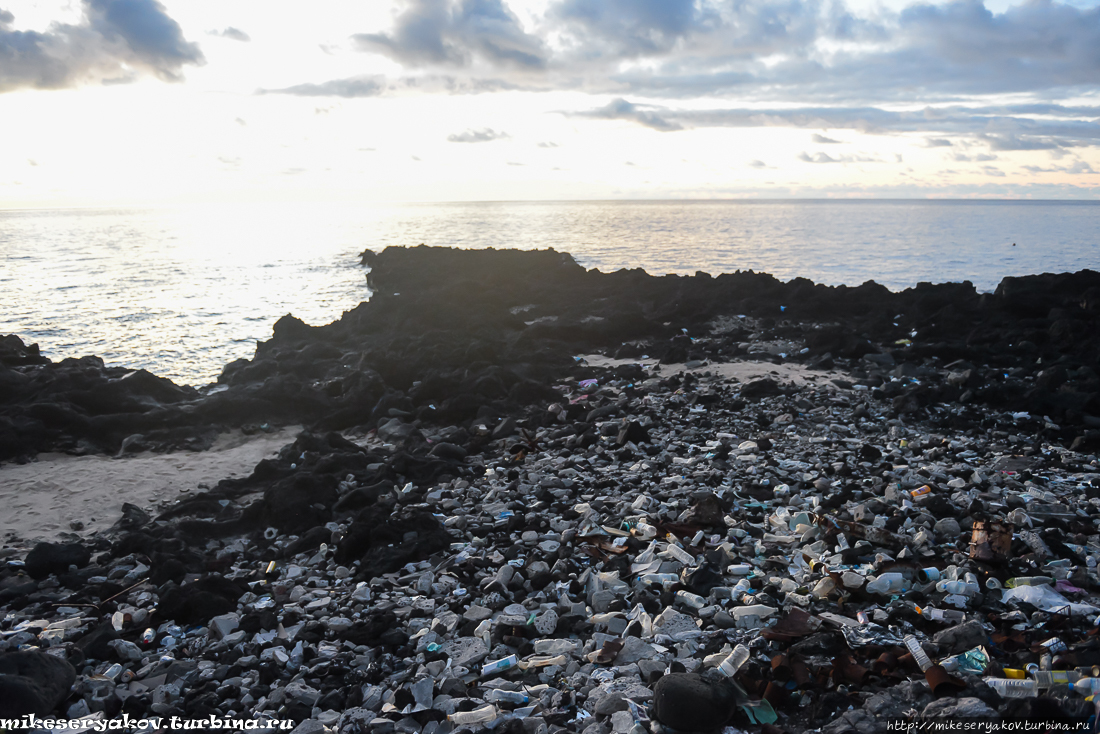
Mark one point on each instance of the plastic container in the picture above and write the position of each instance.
(918, 653)
(1011, 688)
(498, 696)
(1048, 678)
(1054, 646)
(734, 661)
(555, 647)
(1029, 581)
(888, 583)
(1087, 686)
(482, 715)
(947, 616)
(851, 579)
(692, 600)
(754, 610)
(824, 587)
(667, 580)
(499, 666)
(963, 588)
(680, 554)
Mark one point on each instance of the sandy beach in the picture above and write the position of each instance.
(42, 497)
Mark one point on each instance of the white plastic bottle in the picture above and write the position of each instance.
(680, 554)
(963, 588)
(692, 600)
(1013, 687)
(887, 583)
(482, 715)
(734, 661)
(1087, 686)
(918, 653)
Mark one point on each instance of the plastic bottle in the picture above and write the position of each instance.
(1029, 581)
(1048, 678)
(887, 583)
(498, 666)
(1011, 688)
(734, 661)
(824, 587)
(692, 600)
(148, 636)
(963, 588)
(482, 715)
(645, 531)
(498, 696)
(755, 610)
(680, 554)
(948, 616)
(555, 646)
(666, 580)
(918, 653)
(851, 579)
(739, 569)
(1087, 686)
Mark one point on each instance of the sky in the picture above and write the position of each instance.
(140, 102)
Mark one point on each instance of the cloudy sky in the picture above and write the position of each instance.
(123, 102)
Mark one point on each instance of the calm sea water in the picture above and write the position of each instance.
(183, 292)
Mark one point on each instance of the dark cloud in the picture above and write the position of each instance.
(347, 88)
(978, 158)
(826, 158)
(234, 34)
(484, 135)
(445, 33)
(620, 109)
(985, 125)
(766, 49)
(115, 38)
(822, 139)
(937, 143)
(629, 28)
(758, 164)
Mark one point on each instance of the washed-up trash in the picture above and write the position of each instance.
(1047, 599)
(973, 662)
(1011, 688)
(940, 681)
(869, 634)
(990, 541)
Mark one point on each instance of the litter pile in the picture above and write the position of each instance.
(635, 549)
(603, 569)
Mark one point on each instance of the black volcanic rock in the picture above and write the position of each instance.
(33, 683)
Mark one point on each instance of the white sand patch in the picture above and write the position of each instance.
(40, 499)
(742, 371)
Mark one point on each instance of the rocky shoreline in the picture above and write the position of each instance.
(475, 485)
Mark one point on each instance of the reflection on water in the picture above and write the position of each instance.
(182, 292)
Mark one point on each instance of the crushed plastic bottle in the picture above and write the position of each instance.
(918, 653)
(482, 715)
(1012, 688)
(734, 661)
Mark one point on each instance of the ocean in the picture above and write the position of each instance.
(181, 292)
